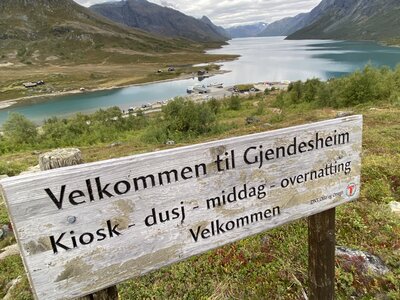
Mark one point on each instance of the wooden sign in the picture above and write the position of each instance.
(83, 228)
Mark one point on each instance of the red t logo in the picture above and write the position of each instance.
(351, 189)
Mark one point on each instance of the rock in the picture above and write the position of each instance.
(341, 114)
(11, 286)
(116, 144)
(9, 251)
(170, 142)
(395, 207)
(6, 231)
(362, 261)
(276, 111)
(252, 120)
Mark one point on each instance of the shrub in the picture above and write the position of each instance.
(234, 103)
(19, 130)
(188, 117)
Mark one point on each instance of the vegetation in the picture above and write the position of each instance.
(271, 265)
(361, 87)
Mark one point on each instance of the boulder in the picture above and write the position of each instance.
(252, 120)
(361, 261)
(116, 144)
(341, 114)
(11, 286)
(9, 251)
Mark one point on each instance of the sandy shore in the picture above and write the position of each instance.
(7, 103)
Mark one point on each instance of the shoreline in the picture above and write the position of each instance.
(4, 104)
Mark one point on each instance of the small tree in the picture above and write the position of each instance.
(19, 130)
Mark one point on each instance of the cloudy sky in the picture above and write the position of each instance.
(233, 12)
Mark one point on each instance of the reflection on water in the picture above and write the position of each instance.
(262, 59)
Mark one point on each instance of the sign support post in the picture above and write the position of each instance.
(321, 255)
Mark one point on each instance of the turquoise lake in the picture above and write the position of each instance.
(262, 59)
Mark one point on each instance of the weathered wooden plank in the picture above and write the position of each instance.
(87, 227)
(64, 158)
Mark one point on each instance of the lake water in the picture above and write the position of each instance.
(262, 59)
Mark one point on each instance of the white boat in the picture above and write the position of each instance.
(216, 85)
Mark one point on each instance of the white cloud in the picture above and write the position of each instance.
(233, 12)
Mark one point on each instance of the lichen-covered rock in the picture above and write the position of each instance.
(9, 251)
(252, 120)
(341, 114)
(362, 261)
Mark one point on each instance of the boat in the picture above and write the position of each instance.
(216, 85)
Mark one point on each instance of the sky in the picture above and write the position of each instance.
(228, 13)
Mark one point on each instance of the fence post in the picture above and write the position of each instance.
(321, 255)
(63, 158)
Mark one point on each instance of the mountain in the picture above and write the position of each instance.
(356, 19)
(48, 31)
(288, 26)
(217, 29)
(160, 20)
(250, 30)
(285, 26)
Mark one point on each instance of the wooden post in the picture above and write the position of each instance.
(63, 158)
(321, 259)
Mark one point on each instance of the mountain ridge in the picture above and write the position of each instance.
(358, 20)
(248, 30)
(160, 20)
(342, 19)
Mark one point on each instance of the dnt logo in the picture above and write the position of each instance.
(351, 189)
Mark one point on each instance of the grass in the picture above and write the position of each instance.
(271, 265)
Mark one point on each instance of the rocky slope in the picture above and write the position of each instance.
(159, 20)
(357, 19)
(49, 31)
(342, 19)
(284, 26)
